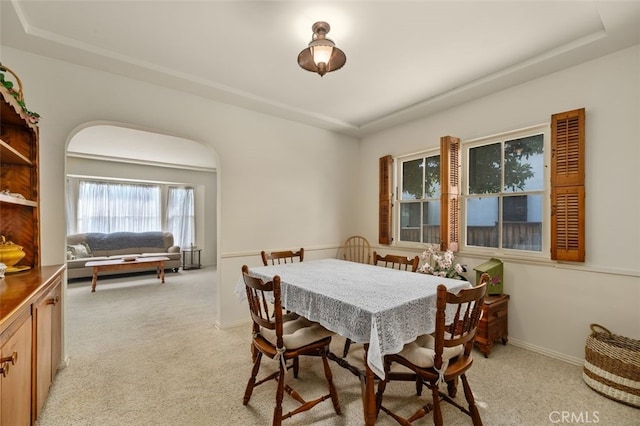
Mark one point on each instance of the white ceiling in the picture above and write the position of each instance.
(405, 59)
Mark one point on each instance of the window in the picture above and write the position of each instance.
(419, 199)
(181, 215)
(510, 202)
(118, 207)
(505, 187)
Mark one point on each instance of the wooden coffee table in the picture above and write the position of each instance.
(120, 264)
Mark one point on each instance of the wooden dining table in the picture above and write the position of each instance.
(380, 307)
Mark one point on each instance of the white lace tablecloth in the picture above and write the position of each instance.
(365, 303)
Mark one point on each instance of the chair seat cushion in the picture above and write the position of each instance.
(421, 352)
(290, 316)
(297, 333)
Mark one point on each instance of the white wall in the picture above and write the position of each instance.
(280, 184)
(552, 305)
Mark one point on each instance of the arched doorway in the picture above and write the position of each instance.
(119, 152)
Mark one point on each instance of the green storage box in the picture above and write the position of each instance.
(495, 270)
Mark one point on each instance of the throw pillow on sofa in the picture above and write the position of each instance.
(78, 251)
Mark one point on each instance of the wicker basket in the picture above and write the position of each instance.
(612, 365)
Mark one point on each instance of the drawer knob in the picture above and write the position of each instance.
(6, 362)
(12, 359)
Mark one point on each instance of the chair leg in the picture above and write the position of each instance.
(437, 412)
(473, 409)
(332, 389)
(296, 367)
(347, 345)
(252, 380)
(277, 412)
(254, 352)
(452, 387)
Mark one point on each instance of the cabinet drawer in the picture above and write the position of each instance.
(496, 317)
(497, 329)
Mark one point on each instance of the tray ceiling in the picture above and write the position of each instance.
(404, 59)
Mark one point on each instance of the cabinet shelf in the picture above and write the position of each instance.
(19, 174)
(16, 200)
(8, 155)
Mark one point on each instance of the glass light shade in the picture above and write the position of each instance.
(321, 54)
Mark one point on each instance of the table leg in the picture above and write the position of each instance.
(162, 271)
(94, 281)
(368, 392)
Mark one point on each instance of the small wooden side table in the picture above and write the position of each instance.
(493, 324)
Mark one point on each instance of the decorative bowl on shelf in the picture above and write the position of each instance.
(10, 253)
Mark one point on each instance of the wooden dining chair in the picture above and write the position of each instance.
(357, 249)
(402, 263)
(282, 341)
(442, 357)
(279, 257)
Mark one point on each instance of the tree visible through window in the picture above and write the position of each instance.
(420, 200)
(505, 194)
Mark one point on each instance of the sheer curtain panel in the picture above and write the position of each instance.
(116, 207)
(181, 215)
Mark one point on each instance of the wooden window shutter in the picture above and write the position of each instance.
(385, 200)
(450, 169)
(567, 186)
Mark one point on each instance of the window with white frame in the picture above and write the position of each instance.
(419, 199)
(504, 194)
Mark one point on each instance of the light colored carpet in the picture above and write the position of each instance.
(142, 353)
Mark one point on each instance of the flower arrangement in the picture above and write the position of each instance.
(441, 265)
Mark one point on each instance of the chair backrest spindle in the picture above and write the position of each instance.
(280, 257)
(357, 249)
(402, 263)
(461, 328)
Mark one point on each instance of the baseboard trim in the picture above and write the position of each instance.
(547, 352)
(64, 362)
(240, 323)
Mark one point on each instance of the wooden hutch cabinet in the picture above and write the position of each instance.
(19, 183)
(30, 294)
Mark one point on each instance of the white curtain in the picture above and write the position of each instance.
(117, 207)
(71, 211)
(181, 215)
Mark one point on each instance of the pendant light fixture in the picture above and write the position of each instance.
(322, 55)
